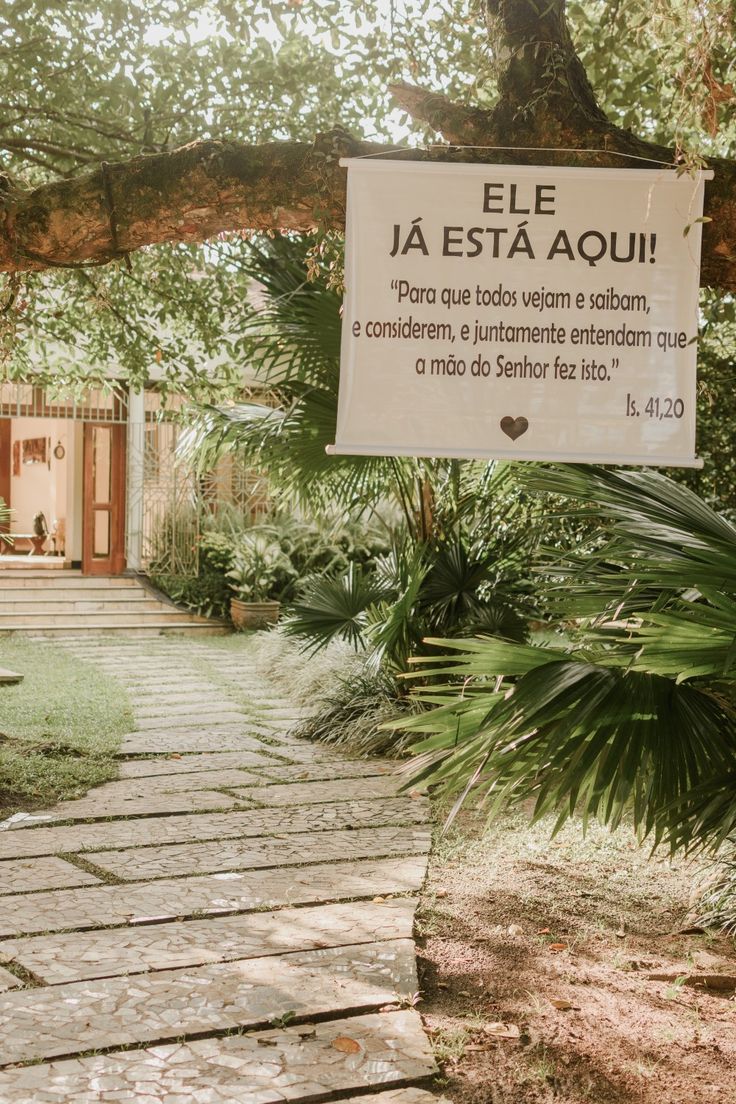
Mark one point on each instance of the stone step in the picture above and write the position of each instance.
(62, 579)
(72, 593)
(210, 894)
(135, 603)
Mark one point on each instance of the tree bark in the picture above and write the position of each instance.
(546, 114)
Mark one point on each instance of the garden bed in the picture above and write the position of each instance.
(577, 948)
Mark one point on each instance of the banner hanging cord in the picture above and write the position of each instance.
(514, 149)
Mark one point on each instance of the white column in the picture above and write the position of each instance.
(135, 466)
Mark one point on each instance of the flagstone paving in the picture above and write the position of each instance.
(75, 838)
(229, 922)
(74, 956)
(27, 875)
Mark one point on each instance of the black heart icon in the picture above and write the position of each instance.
(514, 427)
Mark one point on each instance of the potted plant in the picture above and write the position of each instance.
(260, 573)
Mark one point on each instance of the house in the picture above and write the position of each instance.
(93, 466)
(102, 470)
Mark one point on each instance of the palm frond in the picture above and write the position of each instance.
(333, 608)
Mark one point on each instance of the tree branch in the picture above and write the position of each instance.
(212, 187)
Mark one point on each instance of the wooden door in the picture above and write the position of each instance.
(103, 524)
(5, 438)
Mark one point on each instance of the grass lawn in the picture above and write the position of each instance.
(59, 728)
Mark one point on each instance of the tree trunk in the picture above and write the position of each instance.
(546, 106)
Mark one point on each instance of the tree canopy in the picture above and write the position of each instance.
(130, 132)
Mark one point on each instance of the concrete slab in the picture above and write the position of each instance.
(280, 1064)
(74, 956)
(216, 894)
(114, 1012)
(211, 826)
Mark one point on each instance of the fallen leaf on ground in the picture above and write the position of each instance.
(502, 1030)
(543, 931)
(441, 893)
(346, 1045)
(563, 1005)
(515, 929)
(415, 795)
(557, 947)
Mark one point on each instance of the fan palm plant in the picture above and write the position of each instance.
(632, 710)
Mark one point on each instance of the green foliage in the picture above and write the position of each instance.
(468, 532)
(293, 343)
(716, 907)
(260, 570)
(416, 590)
(267, 559)
(627, 716)
(670, 82)
(332, 608)
(86, 83)
(354, 715)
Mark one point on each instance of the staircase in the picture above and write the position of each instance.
(40, 602)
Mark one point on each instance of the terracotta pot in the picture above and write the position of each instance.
(253, 615)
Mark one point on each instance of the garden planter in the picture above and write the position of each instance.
(253, 615)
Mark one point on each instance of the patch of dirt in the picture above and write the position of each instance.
(537, 962)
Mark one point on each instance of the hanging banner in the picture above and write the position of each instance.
(520, 312)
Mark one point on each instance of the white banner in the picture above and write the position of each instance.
(520, 312)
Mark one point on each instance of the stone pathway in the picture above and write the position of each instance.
(230, 921)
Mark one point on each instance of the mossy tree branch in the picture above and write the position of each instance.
(546, 105)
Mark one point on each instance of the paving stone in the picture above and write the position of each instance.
(111, 1012)
(101, 906)
(75, 956)
(8, 981)
(120, 805)
(284, 1064)
(140, 863)
(190, 764)
(308, 793)
(302, 752)
(184, 740)
(173, 688)
(209, 826)
(129, 788)
(212, 720)
(159, 712)
(27, 875)
(315, 772)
